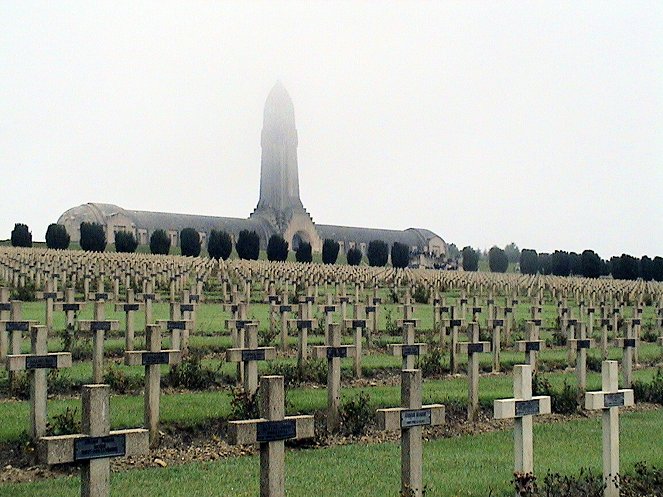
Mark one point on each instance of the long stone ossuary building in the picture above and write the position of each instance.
(279, 210)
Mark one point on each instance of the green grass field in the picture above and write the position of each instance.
(471, 465)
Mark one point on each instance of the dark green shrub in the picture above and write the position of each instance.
(159, 242)
(354, 256)
(431, 363)
(24, 293)
(191, 374)
(646, 481)
(277, 248)
(590, 264)
(190, 242)
(57, 237)
(93, 237)
(248, 245)
(649, 391)
(66, 423)
(586, 484)
(311, 371)
(244, 405)
(545, 263)
(421, 294)
(356, 414)
(377, 253)
(219, 245)
(560, 263)
(400, 255)
(529, 261)
(330, 250)
(497, 260)
(470, 259)
(21, 236)
(562, 402)
(304, 252)
(120, 382)
(125, 242)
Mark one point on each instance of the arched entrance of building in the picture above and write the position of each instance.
(299, 238)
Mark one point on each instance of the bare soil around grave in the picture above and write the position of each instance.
(183, 446)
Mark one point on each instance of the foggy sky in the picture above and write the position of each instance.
(486, 122)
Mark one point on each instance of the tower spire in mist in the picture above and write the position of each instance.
(279, 175)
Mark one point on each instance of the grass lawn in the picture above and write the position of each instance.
(472, 465)
(196, 408)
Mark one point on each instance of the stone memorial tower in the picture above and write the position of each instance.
(279, 202)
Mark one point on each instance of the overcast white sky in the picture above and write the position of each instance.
(486, 122)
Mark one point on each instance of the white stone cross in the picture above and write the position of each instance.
(249, 355)
(177, 328)
(629, 344)
(532, 346)
(36, 363)
(410, 419)
(358, 325)
(521, 408)
(408, 350)
(96, 445)
(333, 353)
(129, 308)
(152, 359)
(271, 431)
(99, 326)
(473, 349)
(609, 400)
(580, 345)
(303, 325)
(495, 326)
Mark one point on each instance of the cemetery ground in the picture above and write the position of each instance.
(461, 458)
(473, 337)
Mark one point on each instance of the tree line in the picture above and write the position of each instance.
(562, 263)
(219, 245)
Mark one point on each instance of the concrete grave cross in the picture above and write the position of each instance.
(36, 363)
(179, 330)
(50, 296)
(408, 350)
(129, 308)
(303, 325)
(333, 352)
(11, 331)
(473, 349)
(580, 345)
(358, 325)
(606, 326)
(96, 445)
(148, 298)
(628, 345)
(70, 307)
(521, 408)
(410, 419)
(609, 400)
(495, 328)
(249, 355)
(532, 346)
(152, 359)
(98, 327)
(284, 309)
(328, 309)
(271, 431)
(454, 325)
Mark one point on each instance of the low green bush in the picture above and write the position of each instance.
(191, 374)
(652, 391)
(356, 414)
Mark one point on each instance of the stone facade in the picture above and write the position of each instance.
(279, 210)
